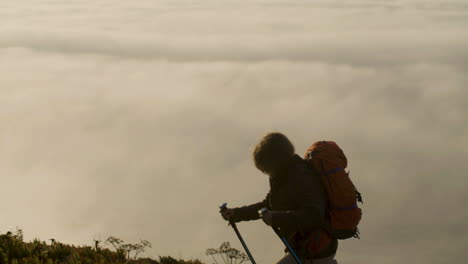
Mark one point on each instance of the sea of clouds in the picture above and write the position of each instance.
(137, 118)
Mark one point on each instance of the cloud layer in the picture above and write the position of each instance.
(137, 120)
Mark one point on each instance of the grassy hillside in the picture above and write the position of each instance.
(13, 250)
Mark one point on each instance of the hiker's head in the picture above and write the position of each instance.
(273, 153)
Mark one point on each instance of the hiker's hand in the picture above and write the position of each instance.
(227, 214)
(267, 217)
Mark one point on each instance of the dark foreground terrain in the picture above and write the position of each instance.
(13, 250)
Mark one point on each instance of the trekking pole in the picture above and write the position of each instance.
(285, 242)
(223, 207)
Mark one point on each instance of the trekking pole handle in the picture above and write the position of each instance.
(222, 207)
(261, 211)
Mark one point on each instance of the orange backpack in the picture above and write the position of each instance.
(329, 161)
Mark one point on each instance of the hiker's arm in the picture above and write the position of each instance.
(310, 196)
(249, 212)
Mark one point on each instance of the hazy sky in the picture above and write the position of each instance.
(136, 118)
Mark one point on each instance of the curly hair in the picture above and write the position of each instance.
(274, 151)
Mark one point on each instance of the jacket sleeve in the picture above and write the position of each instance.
(250, 212)
(310, 197)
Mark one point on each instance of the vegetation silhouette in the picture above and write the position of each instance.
(13, 250)
(228, 254)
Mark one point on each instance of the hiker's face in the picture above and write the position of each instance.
(272, 170)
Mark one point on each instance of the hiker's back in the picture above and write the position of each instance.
(299, 189)
(286, 187)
